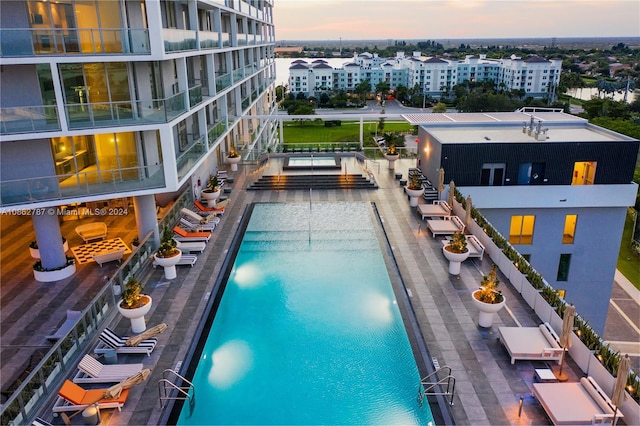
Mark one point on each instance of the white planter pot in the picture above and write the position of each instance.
(211, 197)
(392, 160)
(138, 324)
(234, 163)
(455, 259)
(57, 275)
(414, 195)
(169, 264)
(487, 310)
(35, 253)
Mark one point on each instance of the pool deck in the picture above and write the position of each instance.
(488, 387)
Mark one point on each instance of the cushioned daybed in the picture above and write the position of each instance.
(437, 209)
(448, 225)
(532, 343)
(575, 403)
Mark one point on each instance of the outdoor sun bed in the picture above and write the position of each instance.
(448, 225)
(197, 227)
(192, 216)
(72, 397)
(189, 247)
(531, 343)
(213, 210)
(111, 341)
(437, 209)
(185, 259)
(184, 235)
(575, 403)
(91, 370)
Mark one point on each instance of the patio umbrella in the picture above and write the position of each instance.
(618, 396)
(441, 180)
(452, 190)
(565, 337)
(467, 217)
(115, 390)
(148, 333)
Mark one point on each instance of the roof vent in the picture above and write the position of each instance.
(487, 138)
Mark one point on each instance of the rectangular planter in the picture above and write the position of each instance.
(542, 308)
(601, 375)
(529, 294)
(579, 352)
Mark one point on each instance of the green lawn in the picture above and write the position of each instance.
(628, 261)
(349, 131)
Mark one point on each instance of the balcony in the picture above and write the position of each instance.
(190, 157)
(84, 183)
(176, 40)
(195, 95)
(42, 118)
(223, 81)
(129, 113)
(73, 41)
(215, 131)
(208, 40)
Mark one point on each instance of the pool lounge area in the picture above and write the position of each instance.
(489, 390)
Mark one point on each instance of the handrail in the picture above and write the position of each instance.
(165, 383)
(426, 386)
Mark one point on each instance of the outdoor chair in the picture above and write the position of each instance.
(72, 397)
(111, 341)
(91, 370)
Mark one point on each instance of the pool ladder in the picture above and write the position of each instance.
(168, 384)
(429, 387)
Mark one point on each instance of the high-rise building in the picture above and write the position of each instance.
(127, 98)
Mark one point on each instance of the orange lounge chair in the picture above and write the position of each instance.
(183, 235)
(203, 208)
(72, 397)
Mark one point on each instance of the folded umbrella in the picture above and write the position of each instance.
(114, 391)
(148, 333)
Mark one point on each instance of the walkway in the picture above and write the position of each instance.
(488, 389)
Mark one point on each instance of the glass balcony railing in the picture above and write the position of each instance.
(215, 131)
(42, 118)
(83, 183)
(73, 41)
(226, 39)
(222, 82)
(245, 103)
(238, 74)
(176, 40)
(195, 95)
(208, 40)
(129, 113)
(242, 39)
(190, 157)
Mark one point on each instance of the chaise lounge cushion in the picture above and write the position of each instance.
(80, 396)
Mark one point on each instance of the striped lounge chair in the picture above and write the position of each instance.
(110, 341)
(90, 370)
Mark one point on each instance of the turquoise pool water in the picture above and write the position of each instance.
(308, 330)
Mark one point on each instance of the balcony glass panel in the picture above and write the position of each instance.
(223, 81)
(177, 39)
(215, 131)
(209, 40)
(195, 95)
(226, 39)
(238, 74)
(190, 157)
(29, 119)
(84, 183)
(242, 39)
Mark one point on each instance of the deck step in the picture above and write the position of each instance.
(296, 182)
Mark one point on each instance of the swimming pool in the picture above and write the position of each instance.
(308, 330)
(310, 162)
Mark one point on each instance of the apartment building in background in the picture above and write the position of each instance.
(534, 77)
(127, 98)
(556, 187)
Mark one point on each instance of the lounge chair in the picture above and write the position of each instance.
(437, 209)
(205, 209)
(184, 235)
(197, 227)
(111, 341)
(91, 370)
(194, 217)
(189, 247)
(72, 397)
(575, 403)
(448, 225)
(531, 343)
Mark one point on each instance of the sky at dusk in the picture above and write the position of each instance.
(442, 19)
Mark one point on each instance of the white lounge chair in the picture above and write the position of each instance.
(197, 227)
(575, 403)
(188, 247)
(197, 218)
(111, 341)
(91, 370)
(439, 208)
(531, 343)
(448, 225)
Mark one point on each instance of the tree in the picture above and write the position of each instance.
(280, 92)
(383, 88)
(440, 107)
(362, 89)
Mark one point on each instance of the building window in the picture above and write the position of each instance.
(521, 230)
(569, 233)
(531, 173)
(492, 174)
(563, 267)
(584, 173)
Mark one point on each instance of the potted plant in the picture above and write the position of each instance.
(233, 158)
(47, 275)
(414, 189)
(134, 305)
(168, 255)
(212, 191)
(456, 252)
(392, 155)
(35, 251)
(488, 298)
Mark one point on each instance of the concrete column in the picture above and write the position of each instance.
(146, 220)
(49, 239)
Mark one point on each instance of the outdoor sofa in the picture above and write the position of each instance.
(531, 343)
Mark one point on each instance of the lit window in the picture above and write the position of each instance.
(569, 233)
(584, 173)
(563, 267)
(521, 231)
